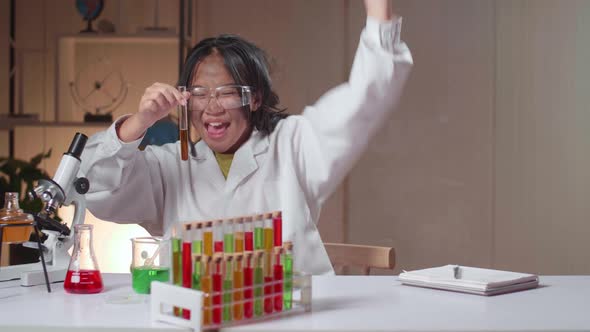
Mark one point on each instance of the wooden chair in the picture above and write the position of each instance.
(366, 257)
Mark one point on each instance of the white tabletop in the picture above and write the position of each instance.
(339, 304)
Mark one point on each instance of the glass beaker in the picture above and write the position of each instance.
(150, 261)
(83, 275)
(13, 214)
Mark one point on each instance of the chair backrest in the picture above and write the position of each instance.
(365, 257)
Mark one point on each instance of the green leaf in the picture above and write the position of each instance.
(38, 158)
(14, 173)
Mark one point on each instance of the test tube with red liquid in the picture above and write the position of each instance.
(278, 279)
(248, 234)
(218, 236)
(217, 276)
(248, 285)
(187, 267)
(277, 222)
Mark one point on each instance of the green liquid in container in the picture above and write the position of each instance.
(227, 299)
(197, 276)
(176, 261)
(198, 247)
(176, 267)
(258, 280)
(142, 277)
(258, 238)
(288, 281)
(228, 243)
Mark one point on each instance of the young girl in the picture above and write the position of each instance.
(251, 157)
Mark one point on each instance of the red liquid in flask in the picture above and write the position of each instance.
(83, 282)
(83, 275)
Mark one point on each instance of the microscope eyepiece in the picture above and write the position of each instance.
(77, 145)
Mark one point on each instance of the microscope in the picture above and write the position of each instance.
(63, 190)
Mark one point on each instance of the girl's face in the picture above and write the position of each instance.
(223, 130)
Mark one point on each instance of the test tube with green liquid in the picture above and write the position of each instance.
(238, 292)
(228, 236)
(197, 236)
(258, 283)
(228, 285)
(259, 232)
(197, 271)
(176, 262)
(287, 262)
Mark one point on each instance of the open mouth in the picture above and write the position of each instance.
(216, 129)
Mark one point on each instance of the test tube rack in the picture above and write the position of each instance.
(165, 296)
(225, 278)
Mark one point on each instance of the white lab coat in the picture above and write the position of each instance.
(294, 169)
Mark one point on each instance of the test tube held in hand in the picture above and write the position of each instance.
(183, 126)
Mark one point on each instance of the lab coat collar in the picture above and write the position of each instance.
(244, 162)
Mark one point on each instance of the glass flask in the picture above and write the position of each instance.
(83, 275)
(13, 214)
(150, 261)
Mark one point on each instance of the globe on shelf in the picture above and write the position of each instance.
(90, 10)
(99, 89)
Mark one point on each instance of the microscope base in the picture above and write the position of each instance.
(32, 274)
(34, 278)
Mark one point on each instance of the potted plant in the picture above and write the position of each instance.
(16, 175)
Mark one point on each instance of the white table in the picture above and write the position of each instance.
(381, 303)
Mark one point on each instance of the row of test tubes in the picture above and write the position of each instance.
(241, 264)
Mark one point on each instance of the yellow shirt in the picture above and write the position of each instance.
(224, 161)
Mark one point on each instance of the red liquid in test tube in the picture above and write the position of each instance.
(248, 291)
(278, 279)
(218, 236)
(277, 222)
(217, 289)
(248, 234)
(187, 267)
(249, 238)
(218, 246)
(268, 296)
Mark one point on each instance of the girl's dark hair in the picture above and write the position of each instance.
(248, 65)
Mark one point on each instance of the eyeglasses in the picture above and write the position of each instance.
(227, 96)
